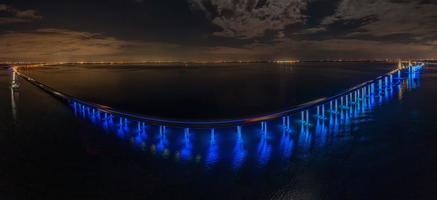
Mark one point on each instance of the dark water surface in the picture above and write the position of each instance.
(385, 149)
(202, 92)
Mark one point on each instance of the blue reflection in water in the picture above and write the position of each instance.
(286, 144)
(187, 147)
(299, 131)
(321, 132)
(304, 140)
(333, 123)
(121, 132)
(212, 156)
(239, 152)
(264, 150)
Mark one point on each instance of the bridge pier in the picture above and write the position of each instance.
(305, 119)
(323, 111)
(139, 129)
(264, 127)
(286, 122)
(320, 112)
(347, 101)
(187, 134)
(239, 131)
(162, 131)
(212, 133)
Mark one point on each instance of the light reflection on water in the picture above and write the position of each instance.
(261, 144)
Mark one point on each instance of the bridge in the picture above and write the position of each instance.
(298, 126)
(320, 107)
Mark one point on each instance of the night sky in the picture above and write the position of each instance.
(141, 30)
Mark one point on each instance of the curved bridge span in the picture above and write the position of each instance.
(317, 109)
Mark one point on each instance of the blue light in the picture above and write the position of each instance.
(162, 140)
(284, 122)
(286, 145)
(212, 156)
(323, 111)
(263, 128)
(186, 151)
(302, 117)
(239, 151)
(305, 138)
(264, 150)
(75, 108)
(121, 132)
(140, 137)
(239, 131)
(139, 129)
(286, 126)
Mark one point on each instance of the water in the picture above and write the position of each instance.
(383, 151)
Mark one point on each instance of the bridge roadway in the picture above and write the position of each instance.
(319, 107)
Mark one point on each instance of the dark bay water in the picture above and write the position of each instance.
(201, 92)
(385, 149)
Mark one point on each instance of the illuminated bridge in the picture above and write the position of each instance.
(295, 128)
(317, 109)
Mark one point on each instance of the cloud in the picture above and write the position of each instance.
(249, 19)
(11, 15)
(369, 29)
(391, 17)
(253, 30)
(354, 29)
(67, 45)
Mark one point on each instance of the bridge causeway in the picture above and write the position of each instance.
(304, 114)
